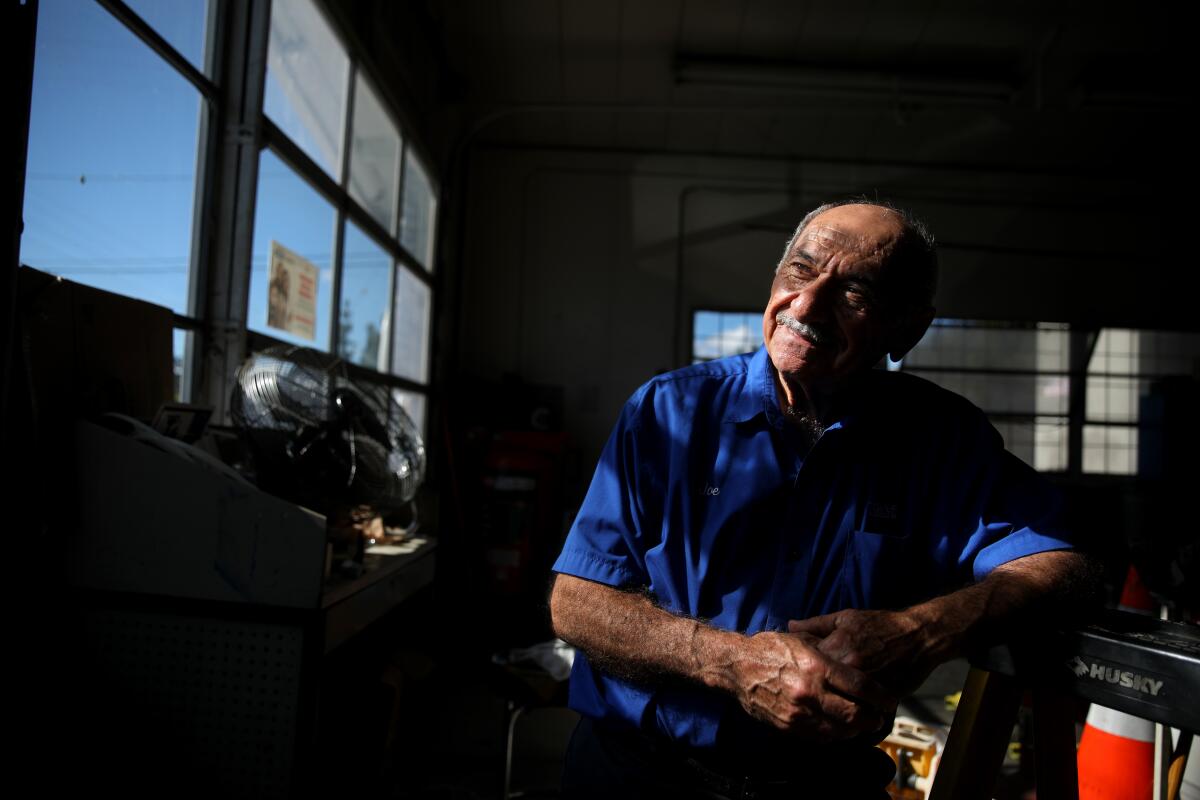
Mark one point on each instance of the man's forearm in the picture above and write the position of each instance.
(1040, 589)
(901, 647)
(779, 678)
(625, 634)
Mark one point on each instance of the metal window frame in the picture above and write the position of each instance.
(1081, 344)
(142, 29)
(210, 96)
(337, 193)
(1075, 397)
(339, 214)
(337, 196)
(434, 195)
(233, 129)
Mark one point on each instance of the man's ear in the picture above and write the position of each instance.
(909, 331)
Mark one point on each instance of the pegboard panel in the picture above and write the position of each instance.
(223, 695)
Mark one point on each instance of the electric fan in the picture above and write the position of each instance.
(321, 440)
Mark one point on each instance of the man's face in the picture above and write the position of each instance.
(826, 319)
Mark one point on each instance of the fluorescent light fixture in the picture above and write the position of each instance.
(842, 82)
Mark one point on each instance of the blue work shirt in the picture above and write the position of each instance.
(704, 497)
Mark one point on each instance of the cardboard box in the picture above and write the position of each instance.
(89, 351)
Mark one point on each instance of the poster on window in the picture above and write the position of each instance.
(292, 298)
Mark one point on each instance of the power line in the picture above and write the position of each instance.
(84, 178)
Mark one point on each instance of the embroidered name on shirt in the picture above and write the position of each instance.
(882, 511)
(712, 491)
(882, 518)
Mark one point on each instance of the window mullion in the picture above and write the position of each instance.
(204, 204)
(339, 231)
(242, 76)
(396, 264)
(327, 187)
(1082, 342)
(158, 44)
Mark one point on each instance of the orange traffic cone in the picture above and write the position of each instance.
(1116, 756)
(1135, 596)
(1116, 752)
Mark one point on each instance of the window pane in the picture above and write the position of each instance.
(1019, 394)
(1168, 353)
(291, 213)
(1130, 352)
(181, 340)
(410, 337)
(971, 344)
(1041, 443)
(414, 404)
(374, 156)
(1116, 351)
(716, 334)
(182, 23)
(366, 275)
(420, 210)
(307, 70)
(1110, 450)
(111, 174)
(1114, 399)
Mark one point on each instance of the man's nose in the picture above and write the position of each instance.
(815, 301)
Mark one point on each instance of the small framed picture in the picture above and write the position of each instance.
(182, 421)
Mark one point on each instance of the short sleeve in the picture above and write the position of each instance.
(606, 543)
(1015, 512)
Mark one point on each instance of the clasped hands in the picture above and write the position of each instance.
(834, 676)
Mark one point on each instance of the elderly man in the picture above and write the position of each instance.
(775, 546)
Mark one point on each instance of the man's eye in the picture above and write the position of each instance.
(801, 271)
(858, 298)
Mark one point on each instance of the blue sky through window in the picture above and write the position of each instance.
(180, 22)
(716, 334)
(113, 159)
(111, 172)
(290, 212)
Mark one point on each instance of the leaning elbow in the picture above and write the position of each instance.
(563, 600)
(555, 601)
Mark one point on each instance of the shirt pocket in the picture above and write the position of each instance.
(880, 569)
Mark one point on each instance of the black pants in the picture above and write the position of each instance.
(608, 762)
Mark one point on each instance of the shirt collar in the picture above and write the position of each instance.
(757, 396)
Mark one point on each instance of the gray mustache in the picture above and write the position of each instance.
(816, 335)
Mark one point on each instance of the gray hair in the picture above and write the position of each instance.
(916, 252)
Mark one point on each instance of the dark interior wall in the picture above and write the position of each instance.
(575, 273)
(592, 196)
(572, 151)
(552, 290)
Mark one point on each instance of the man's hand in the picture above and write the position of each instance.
(890, 646)
(779, 678)
(783, 680)
(900, 648)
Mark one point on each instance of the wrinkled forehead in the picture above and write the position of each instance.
(863, 229)
(829, 236)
